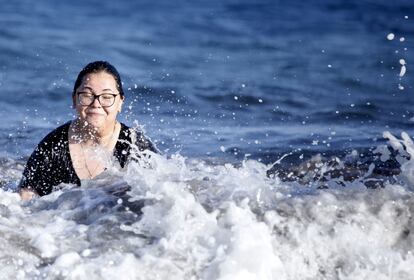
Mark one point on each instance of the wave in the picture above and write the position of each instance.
(181, 218)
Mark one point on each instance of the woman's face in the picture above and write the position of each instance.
(95, 114)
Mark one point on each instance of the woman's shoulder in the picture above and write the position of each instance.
(125, 133)
(58, 136)
(136, 136)
(129, 133)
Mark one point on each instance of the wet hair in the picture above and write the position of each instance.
(97, 67)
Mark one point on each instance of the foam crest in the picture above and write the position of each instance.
(178, 218)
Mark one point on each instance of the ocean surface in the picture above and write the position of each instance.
(285, 129)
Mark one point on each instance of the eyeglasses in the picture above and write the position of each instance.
(106, 99)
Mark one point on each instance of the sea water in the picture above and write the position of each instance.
(285, 130)
(179, 218)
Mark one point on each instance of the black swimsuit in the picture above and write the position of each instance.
(50, 164)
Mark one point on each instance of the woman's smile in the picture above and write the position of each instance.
(94, 114)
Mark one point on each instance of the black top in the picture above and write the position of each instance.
(50, 164)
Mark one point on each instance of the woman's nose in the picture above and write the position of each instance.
(96, 103)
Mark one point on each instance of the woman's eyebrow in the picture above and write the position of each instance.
(87, 87)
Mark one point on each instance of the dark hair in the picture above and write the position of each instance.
(96, 67)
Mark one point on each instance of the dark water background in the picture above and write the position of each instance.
(217, 79)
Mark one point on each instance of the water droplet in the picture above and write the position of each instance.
(403, 70)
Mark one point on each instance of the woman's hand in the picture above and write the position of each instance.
(27, 194)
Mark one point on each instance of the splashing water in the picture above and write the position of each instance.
(186, 219)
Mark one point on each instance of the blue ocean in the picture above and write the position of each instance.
(285, 129)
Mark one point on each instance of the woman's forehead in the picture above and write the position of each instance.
(99, 81)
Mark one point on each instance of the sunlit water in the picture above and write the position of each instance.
(280, 126)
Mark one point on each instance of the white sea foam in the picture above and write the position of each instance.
(186, 219)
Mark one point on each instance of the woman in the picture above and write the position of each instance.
(83, 148)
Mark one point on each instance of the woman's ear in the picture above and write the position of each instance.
(120, 104)
(73, 101)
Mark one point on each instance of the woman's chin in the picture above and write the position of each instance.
(95, 121)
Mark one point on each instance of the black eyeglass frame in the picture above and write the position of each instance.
(97, 97)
